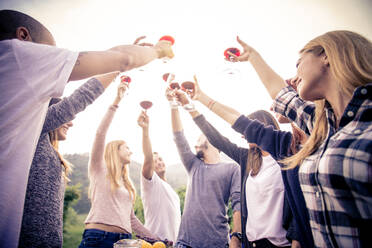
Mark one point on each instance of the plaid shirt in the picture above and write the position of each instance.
(337, 178)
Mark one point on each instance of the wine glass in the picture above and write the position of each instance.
(146, 105)
(124, 79)
(231, 70)
(168, 78)
(189, 88)
(171, 40)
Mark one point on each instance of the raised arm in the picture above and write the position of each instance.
(120, 58)
(148, 163)
(65, 110)
(270, 79)
(96, 156)
(214, 137)
(230, 115)
(188, 158)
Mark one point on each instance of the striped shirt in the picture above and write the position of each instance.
(337, 178)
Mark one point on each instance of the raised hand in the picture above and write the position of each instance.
(197, 92)
(164, 49)
(245, 55)
(143, 120)
(122, 88)
(136, 42)
(181, 97)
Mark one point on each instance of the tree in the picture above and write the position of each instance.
(72, 194)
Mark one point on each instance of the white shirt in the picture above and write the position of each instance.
(162, 209)
(30, 74)
(265, 198)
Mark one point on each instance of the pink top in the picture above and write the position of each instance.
(113, 208)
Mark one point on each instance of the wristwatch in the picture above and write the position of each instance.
(238, 235)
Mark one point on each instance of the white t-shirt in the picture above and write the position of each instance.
(162, 209)
(265, 198)
(30, 74)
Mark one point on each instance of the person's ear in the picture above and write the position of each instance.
(325, 60)
(22, 33)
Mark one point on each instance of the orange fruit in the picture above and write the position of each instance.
(159, 245)
(145, 244)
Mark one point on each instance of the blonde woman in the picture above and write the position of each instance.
(112, 193)
(334, 106)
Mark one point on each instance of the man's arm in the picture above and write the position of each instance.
(237, 228)
(183, 146)
(148, 163)
(120, 58)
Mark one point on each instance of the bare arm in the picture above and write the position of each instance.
(237, 227)
(96, 156)
(120, 58)
(228, 114)
(270, 79)
(148, 163)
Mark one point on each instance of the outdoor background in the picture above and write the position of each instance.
(203, 29)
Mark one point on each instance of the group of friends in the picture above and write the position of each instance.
(310, 187)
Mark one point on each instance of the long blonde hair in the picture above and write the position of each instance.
(350, 61)
(67, 167)
(117, 173)
(254, 159)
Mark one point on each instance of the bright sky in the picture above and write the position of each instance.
(202, 30)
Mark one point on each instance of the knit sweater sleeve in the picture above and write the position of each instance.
(219, 141)
(275, 142)
(96, 157)
(65, 110)
(187, 157)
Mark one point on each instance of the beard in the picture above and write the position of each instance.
(200, 155)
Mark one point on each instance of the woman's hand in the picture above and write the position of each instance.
(143, 120)
(122, 88)
(247, 53)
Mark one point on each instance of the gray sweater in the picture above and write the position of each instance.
(42, 217)
(204, 222)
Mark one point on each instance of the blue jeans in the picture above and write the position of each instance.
(102, 239)
(179, 245)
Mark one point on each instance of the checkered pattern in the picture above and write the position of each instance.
(337, 178)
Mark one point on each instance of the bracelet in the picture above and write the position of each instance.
(114, 106)
(211, 104)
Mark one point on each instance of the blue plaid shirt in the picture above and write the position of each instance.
(337, 178)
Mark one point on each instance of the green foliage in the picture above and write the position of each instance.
(73, 235)
(182, 193)
(72, 194)
(138, 209)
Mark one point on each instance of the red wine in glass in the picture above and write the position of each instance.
(168, 38)
(188, 87)
(124, 79)
(146, 105)
(171, 40)
(232, 50)
(231, 70)
(168, 77)
(174, 86)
